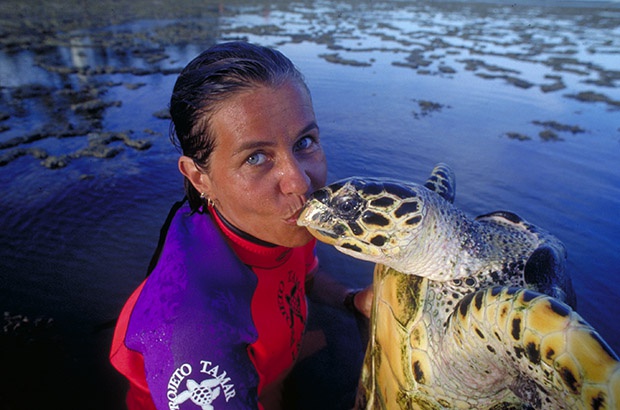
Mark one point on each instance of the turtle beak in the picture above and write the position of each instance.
(312, 214)
(317, 218)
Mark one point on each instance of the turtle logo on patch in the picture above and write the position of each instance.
(201, 394)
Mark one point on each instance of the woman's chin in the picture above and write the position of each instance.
(299, 236)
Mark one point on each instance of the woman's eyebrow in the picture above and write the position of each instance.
(309, 127)
(252, 145)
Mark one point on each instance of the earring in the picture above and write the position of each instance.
(210, 203)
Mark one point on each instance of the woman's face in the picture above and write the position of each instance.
(266, 161)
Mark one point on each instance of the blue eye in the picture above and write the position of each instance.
(256, 159)
(304, 143)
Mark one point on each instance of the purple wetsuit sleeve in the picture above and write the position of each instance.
(192, 322)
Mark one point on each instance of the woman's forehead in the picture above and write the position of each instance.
(264, 115)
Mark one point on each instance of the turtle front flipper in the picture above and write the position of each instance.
(533, 345)
(442, 181)
(387, 380)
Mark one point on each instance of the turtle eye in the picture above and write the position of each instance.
(347, 205)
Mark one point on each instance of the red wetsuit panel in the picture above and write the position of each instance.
(279, 307)
(130, 363)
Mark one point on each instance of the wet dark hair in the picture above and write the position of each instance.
(217, 74)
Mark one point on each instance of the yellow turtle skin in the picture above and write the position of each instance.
(468, 313)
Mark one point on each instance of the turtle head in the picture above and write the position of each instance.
(369, 219)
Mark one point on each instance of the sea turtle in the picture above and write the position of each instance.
(468, 313)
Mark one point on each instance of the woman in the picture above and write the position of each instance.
(219, 321)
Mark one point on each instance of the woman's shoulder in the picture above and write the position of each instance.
(192, 248)
(196, 279)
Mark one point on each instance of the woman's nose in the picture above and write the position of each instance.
(294, 178)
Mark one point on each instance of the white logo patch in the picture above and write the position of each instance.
(203, 393)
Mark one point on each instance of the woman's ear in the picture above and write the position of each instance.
(198, 179)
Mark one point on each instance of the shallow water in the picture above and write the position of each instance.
(396, 89)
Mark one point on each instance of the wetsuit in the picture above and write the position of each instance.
(217, 323)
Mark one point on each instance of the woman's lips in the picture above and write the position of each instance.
(292, 220)
(297, 206)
